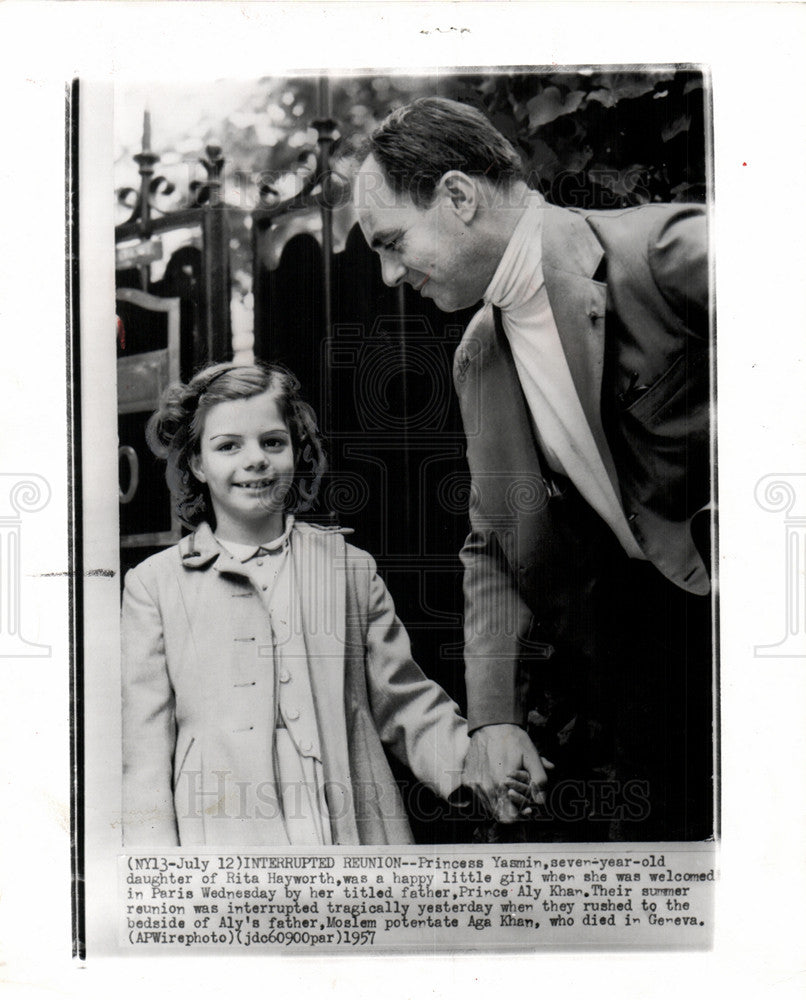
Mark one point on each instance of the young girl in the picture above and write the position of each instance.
(264, 668)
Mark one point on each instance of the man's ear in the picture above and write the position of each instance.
(463, 193)
(194, 461)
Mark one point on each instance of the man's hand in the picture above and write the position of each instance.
(498, 753)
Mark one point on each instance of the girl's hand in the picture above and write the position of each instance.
(519, 790)
(497, 752)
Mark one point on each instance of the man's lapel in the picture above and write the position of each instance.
(571, 256)
(509, 494)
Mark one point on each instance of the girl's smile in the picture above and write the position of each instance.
(246, 459)
(258, 484)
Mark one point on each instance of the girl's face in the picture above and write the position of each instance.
(247, 461)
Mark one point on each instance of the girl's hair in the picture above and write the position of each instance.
(174, 432)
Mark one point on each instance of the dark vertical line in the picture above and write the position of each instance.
(74, 526)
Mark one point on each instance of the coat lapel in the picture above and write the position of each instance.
(201, 548)
(509, 493)
(571, 257)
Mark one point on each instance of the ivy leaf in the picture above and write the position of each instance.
(550, 104)
(625, 86)
(573, 159)
(604, 96)
(620, 182)
(679, 125)
(490, 85)
(688, 192)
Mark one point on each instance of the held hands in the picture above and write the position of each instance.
(505, 772)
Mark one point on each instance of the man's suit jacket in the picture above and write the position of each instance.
(629, 294)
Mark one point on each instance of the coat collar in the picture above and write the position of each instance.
(569, 244)
(572, 258)
(202, 549)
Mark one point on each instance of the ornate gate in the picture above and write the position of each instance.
(166, 329)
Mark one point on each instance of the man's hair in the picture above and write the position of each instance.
(418, 143)
(174, 432)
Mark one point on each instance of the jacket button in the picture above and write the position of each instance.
(292, 714)
(306, 747)
(285, 677)
(260, 562)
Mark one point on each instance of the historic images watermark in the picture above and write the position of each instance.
(20, 493)
(786, 493)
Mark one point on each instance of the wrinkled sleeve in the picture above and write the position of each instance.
(497, 623)
(149, 728)
(678, 257)
(415, 718)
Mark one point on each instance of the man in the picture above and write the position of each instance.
(584, 385)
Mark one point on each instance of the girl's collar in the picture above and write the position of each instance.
(247, 552)
(201, 547)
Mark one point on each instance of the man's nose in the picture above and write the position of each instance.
(392, 271)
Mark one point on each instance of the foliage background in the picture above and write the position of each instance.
(589, 137)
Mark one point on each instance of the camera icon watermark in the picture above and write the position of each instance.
(392, 382)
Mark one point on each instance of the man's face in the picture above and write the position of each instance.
(432, 249)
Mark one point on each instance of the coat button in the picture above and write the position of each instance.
(285, 677)
(306, 747)
(260, 562)
(292, 714)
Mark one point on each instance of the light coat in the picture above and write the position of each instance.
(199, 698)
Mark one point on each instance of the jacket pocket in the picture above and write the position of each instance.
(665, 404)
(665, 441)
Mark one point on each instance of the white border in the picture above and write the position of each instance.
(756, 56)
